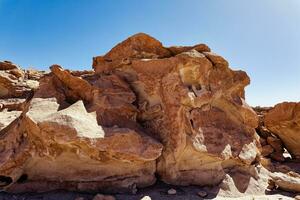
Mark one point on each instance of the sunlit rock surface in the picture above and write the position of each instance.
(145, 112)
(193, 103)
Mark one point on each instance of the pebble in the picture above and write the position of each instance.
(172, 191)
(79, 198)
(297, 197)
(202, 194)
(134, 190)
(146, 198)
(109, 197)
(103, 197)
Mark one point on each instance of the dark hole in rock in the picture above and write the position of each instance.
(5, 180)
(198, 86)
(192, 123)
(23, 178)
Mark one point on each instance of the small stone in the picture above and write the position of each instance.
(202, 194)
(103, 197)
(275, 143)
(79, 198)
(134, 189)
(146, 198)
(271, 185)
(297, 197)
(109, 197)
(99, 197)
(262, 141)
(278, 156)
(267, 150)
(172, 191)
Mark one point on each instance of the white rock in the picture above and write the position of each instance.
(172, 191)
(146, 198)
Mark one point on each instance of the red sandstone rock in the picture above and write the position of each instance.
(194, 105)
(7, 65)
(103, 197)
(139, 46)
(57, 133)
(180, 49)
(275, 143)
(14, 82)
(178, 112)
(284, 121)
(267, 150)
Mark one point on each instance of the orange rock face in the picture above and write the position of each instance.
(284, 121)
(146, 109)
(190, 101)
(16, 83)
(64, 139)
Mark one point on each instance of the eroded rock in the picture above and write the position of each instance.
(284, 121)
(56, 132)
(178, 112)
(14, 82)
(194, 104)
(288, 182)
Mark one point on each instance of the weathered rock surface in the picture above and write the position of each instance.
(61, 146)
(175, 112)
(272, 146)
(288, 182)
(7, 117)
(194, 104)
(284, 121)
(16, 83)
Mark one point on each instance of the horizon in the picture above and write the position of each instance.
(259, 37)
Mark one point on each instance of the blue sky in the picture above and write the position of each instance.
(261, 37)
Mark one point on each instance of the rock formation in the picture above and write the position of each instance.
(284, 121)
(56, 132)
(192, 102)
(279, 129)
(146, 111)
(271, 145)
(14, 82)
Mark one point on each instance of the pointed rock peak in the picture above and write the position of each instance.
(55, 67)
(75, 108)
(138, 46)
(140, 43)
(78, 87)
(7, 65)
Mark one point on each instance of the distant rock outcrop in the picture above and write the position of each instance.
(14, 82)
(284, 121)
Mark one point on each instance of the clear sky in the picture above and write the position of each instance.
(261, 37)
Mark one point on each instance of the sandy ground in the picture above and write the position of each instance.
(156, 192)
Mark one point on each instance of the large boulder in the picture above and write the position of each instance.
(58, 144)
(284, 121)
(193, 103)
